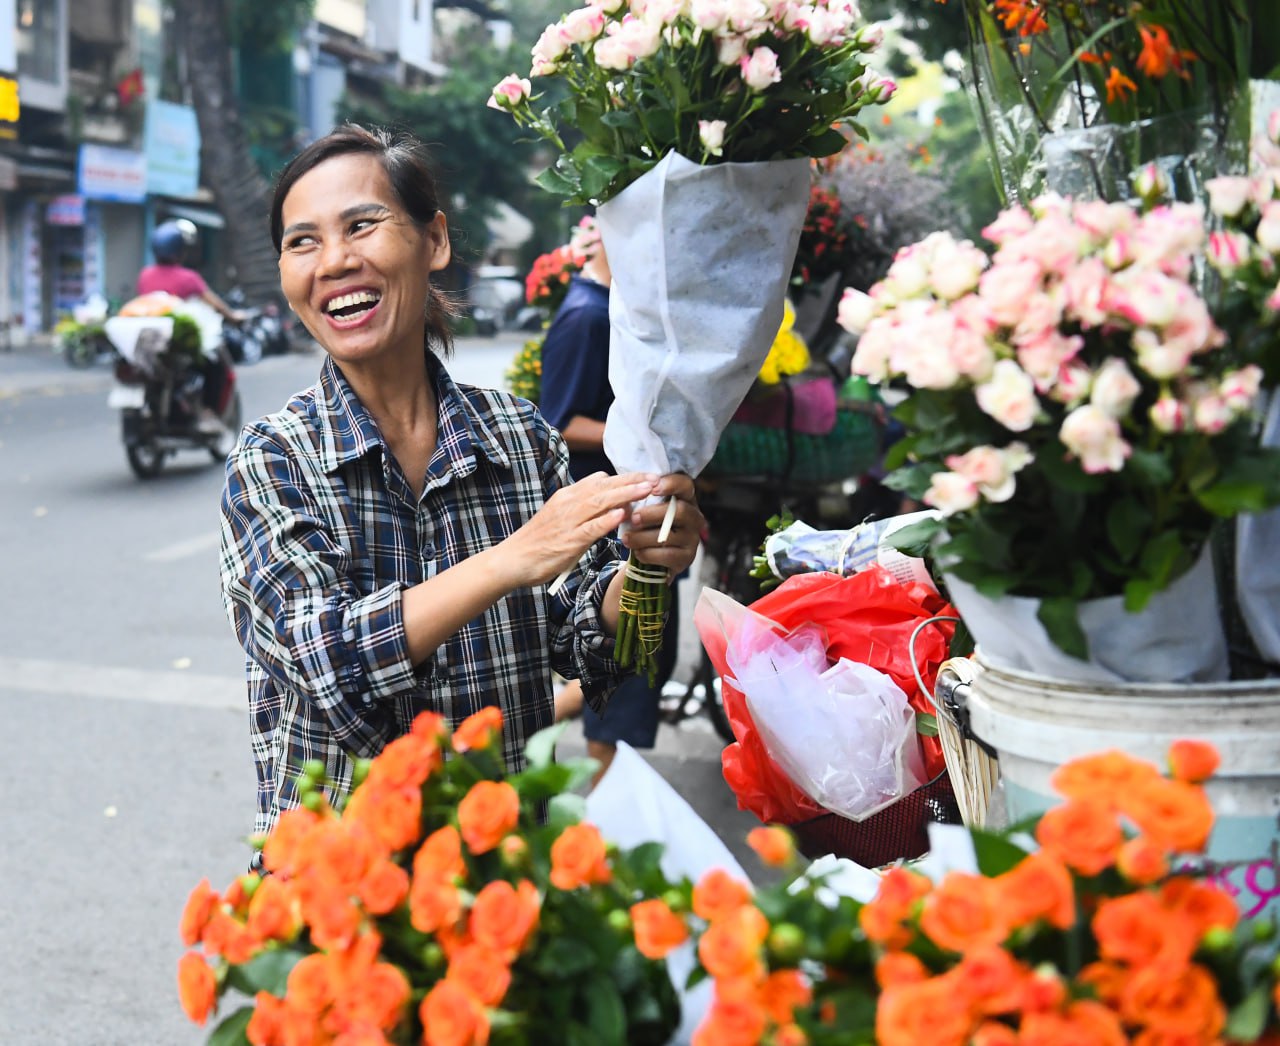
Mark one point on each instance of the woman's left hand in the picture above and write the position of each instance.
(677, 552)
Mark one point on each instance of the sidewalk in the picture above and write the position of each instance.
(35, 367)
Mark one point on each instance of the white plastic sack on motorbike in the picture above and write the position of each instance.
(139, 339)
(633, 804)
(844, 734)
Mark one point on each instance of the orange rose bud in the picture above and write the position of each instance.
(273, 910)
(384, 887)
(1103, 776)
(1141, 861)
(440, 856)
(992, 1034)
(1205, 905)
(930, 1012)
(963, 913)
(197, 987)
(267, 1024)
(1138, 930)
(578, 858)
(658, 930)
(783, 992)
(1083, 833)
(1173, 814)
(718, 893)
(1038, 887)
(201, 903)
(487, 813)
(451, 1016)
(481, 972)
(1172, 1000)
(731, 946)
(774, 845)
(1193, 761)
(503, 917)
(896, 968)
(739, 1020)
(433, 904)
(478, 730)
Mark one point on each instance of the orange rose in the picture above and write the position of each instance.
(1207, 906)
(774, 845)
(790, 1035)
(658, 930)
(274, 913)
(1142, 861)
(480, 972)
(1038, 887)
(440, 857)
(963, 913)
(488, 812)
(227, 936)
(783, 992)
(340, 852)
(1193, 761)
(384, 887)
(478, 730)
(578, 858)
(197, 987)
(451, 1017)
(279, 852)
(393, 816)
(503, 917)
(1043, 991)
(718, 893)
(201, 904)
(929, 1012)
(737, 1022)
(406, 762)
(1175, 1000)
(310, 986)
(993, 1034)
(266, 1026)
(429, 725)
(882, 918)
(332, 915)
(433, 904)
(1107, 979)
(1173, 814)
(731, 945)
(1083, 833)
(377, 999)
(1103, 777)
(1136, 929)
(991, 979)
(1081, 1022)
(894, 968)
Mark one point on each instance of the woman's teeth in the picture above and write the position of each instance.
(349, 306)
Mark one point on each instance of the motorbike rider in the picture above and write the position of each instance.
(170, 242)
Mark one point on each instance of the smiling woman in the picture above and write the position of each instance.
(388, 536)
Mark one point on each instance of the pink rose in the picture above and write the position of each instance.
(1014, 221)
(1093, 436)
(1239, 388)
(1041, 314)
(730, 49)
(856, 310)
(1072, 383)
(1145, 297)
(1114, 388)
(955, 268)
(950, 492)
(1268, 231)
(1212, 414)
(1043, 357)
(585, 24)
(1169, 414)
(1009, 396)
(1228, 195)
(991, 469)
(1085, 286)
(1158, 358)
(708, 15)
(1005, 287)
(875, 347)
(1228, 251)
(509, 92)
(760, 69)
(971, 353)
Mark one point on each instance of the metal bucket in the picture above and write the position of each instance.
(1036, 723)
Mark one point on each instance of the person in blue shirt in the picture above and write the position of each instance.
(575, 399)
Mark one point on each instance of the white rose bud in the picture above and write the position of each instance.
(711, 135)
(856, 310)
(1228, 195)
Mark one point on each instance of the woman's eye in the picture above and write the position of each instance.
(362, 225)
(299, 242)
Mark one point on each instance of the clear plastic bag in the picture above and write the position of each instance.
(844, 733)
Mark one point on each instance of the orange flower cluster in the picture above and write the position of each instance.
(406, 915)
(548, 278)
(963, 962)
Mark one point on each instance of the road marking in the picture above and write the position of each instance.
(64, 678)
(183, 549)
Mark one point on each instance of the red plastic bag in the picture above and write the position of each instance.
(869, 618)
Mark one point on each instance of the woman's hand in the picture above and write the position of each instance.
(573, 519)
(681, 545)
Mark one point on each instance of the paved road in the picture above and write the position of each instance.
(126, 776)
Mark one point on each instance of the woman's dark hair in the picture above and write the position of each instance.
(408, 167)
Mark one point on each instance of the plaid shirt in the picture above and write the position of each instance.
(321, 534)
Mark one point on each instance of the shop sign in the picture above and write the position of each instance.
(107, 173)
(172, 143)
(10, 108)
(65, 210)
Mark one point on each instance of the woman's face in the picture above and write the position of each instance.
(353, 265)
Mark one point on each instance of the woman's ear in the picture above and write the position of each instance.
(437, 236)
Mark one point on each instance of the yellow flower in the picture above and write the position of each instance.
(788, 354)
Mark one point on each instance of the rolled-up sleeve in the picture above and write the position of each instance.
(287, 590)
(581, 647)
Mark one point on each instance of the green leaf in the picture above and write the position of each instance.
(1247, 1021)
(564, 958)
(995, 853)
(916, 539)
(605, 1014)
(541, 749)
(1150, 467)
(564, 810)
(267, 972)
(620, 119)
(232, 1030)
(926, 724)
(827, 143)
(1127, 521)
(1060, 617)
(555, 182)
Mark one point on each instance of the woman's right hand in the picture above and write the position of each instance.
(573, 519)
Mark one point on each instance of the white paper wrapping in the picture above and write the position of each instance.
(701, 257)
(1258, 560)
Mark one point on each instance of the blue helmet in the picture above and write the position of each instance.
(170, 239)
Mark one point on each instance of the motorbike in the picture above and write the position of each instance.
(265, 332)
(159, 393)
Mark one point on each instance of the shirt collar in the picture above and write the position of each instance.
(348, 431)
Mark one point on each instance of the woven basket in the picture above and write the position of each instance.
(897, 833)
(851, 448)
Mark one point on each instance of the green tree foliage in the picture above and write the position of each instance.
(270, 26)
(935, 26)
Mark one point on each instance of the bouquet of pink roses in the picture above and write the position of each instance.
(1075, 414)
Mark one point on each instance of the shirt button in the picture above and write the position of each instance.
(428, 551)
